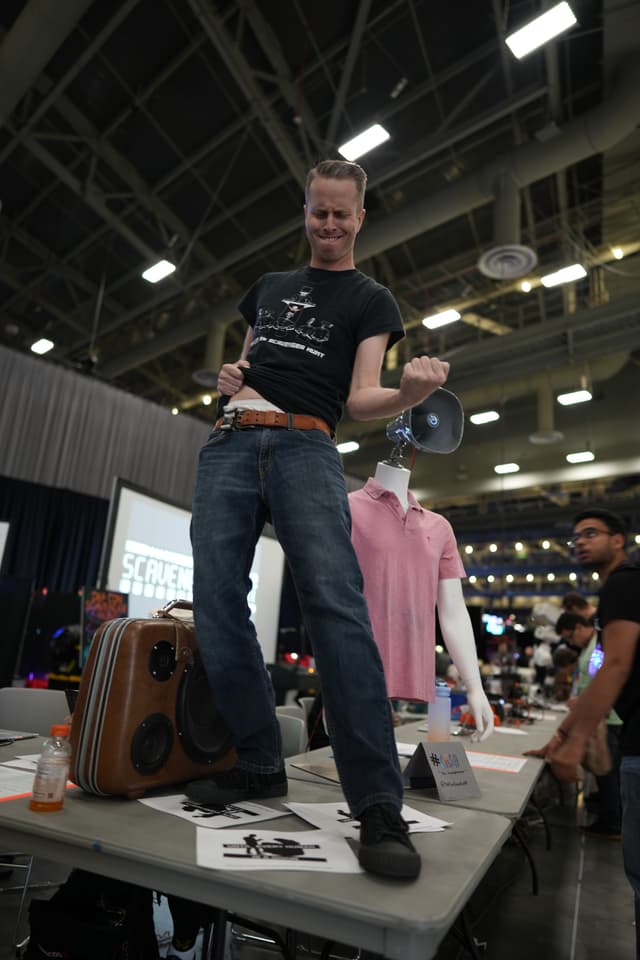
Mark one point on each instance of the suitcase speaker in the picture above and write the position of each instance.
(145, 715)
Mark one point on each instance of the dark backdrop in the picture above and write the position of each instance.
(55, 536)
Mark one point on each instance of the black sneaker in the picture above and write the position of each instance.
(601, 831)
(235, 785)
(385, 847)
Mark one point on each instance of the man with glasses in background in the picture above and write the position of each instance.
(599, 545)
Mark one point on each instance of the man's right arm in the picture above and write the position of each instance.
(620, 639)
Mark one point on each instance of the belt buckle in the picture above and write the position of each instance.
(229, 420)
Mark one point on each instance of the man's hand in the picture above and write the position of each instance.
(420, 378)
(550, 747)
(231, 377)
(566, 759)
(542, 752)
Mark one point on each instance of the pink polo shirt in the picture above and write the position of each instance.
(403, 557)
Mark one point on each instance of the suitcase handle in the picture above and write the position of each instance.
(165, 612)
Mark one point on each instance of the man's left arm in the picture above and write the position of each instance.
(367, 400)
(620, 640)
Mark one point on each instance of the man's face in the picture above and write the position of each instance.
(594, 546)
(579, 636)
(332, 219)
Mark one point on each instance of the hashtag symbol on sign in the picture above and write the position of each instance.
(435, 759)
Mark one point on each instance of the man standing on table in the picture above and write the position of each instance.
(316, 340)
(599, 544)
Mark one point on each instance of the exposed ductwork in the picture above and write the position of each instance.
(593, 132)
(35, 36)
(546, 432)
(562, 378)
(509, 258)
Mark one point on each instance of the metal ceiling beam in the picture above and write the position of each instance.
(41, 28)
(34, 296)
(590, 133)
(241, 72)
(355, 42)
(271, 46)
(78, 64)
(92, 198)
(62, 270)
(128, 173)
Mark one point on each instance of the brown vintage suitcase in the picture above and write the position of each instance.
(145, 716)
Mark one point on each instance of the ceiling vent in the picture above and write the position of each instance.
(507, 261)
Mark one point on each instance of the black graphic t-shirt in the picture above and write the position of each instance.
(307, 325)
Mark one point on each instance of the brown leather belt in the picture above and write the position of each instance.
(241, 419)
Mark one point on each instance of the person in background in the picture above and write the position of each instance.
(599, 538)
(315, 344)
(574, 602)
(583, 637)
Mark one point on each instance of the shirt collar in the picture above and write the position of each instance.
(377, 492)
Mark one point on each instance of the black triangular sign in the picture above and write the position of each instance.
(417, 773)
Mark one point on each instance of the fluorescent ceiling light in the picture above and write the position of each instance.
(441, 319)
(42, 346)
(567, 275)
(544, 28)
(468, 549)
(618, 252)
(576, 396)
(583, 456)
(487, 416)
(158, 271)
(206, 399)
(365, 141)
(525, 286)
(349, 446)
(529, 578)
(506, 468)
(509, 578)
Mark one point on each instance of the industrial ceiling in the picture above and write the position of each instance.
(184, 128)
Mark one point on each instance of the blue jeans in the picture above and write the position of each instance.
(630, 790)
(293, 478)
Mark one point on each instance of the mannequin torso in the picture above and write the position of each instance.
(445, 592)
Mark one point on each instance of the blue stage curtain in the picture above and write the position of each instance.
(55, 535)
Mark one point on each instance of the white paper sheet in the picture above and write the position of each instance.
(335, 818)
(232, 814)
(14, 782)
(496, 761)
(269, 850)
(406, 749)
(23, 763)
